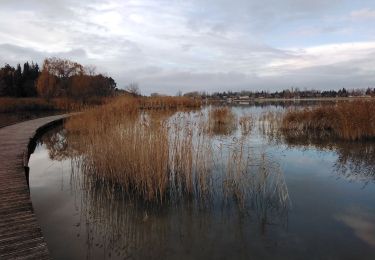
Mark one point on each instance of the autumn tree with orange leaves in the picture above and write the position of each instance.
(65, 78)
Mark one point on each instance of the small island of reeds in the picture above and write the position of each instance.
(163, 150)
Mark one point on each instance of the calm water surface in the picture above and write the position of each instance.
(330, 213)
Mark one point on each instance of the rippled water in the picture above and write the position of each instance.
(330, 212)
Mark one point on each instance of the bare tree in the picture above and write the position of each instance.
(134, 89)
(90, 70)
(62, 68)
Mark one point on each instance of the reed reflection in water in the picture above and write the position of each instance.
(246, 214)
(355, 159)
(246, 194)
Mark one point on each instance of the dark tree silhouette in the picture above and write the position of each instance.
(15, 82)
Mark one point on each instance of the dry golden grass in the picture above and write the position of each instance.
(269, 125)
(149, 158)
(169, 102)
(10, 105)
(246, 123)
(137, 148)
(346, 120)
(222, 121)
(163, 155)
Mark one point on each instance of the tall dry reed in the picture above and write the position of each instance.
(11, 105)
(269, 124)
(162, 155)
(140, 150)
(246, 123)
(346, 120)
(222, 121)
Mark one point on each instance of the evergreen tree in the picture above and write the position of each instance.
(17, 78)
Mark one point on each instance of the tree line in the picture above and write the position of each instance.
(288, 93)
(18, 82)
(57, 78)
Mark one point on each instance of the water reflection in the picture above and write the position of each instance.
(248, 214)
(57, 144)
(355, 160)
(254, 198)
(126, 228)
(362, 222)
(283, 103)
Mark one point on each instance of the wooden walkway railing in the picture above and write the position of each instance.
(20, 233)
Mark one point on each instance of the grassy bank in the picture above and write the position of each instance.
(10, 105)
(13, 105)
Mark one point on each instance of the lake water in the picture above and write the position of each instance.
(329, 212)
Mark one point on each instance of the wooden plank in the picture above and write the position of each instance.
(20, 234)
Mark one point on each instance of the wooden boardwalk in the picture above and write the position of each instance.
(20, 233)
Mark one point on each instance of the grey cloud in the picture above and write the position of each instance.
(344, 74)
(188, 45)
(260, 15)
(14, 54)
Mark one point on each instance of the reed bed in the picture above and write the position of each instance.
(221, 121)
(139, 150)
(246, 123)
(269, 124)
(151, 159)
(11, 105)
(169, 102)
(253, 179)
(346, 128)
(163, 155)
(346, 120)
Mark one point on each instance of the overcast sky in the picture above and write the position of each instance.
(204, 45)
